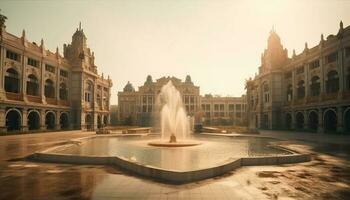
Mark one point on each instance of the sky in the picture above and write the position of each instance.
(217, 42)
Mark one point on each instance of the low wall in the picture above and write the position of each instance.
(171, 176)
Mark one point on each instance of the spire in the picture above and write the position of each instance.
(322, 38)
(23, 33)
(306, 47)
(294, 54)
(79, 26)
(341, 25)
(57, 52)
(42, 43)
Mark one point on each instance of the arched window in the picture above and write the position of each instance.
(88, 91)
(315, 86)
(32, 85)
(332, 83)
(12, 81)
(289, 92)
(266, 92)
(63, 92)
(301, 89)
(49, 89)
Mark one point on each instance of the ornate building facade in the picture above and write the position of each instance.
(41, 90)
(309, 91)
(139, 107)
(218, 110)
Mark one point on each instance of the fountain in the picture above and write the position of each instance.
(175, 126)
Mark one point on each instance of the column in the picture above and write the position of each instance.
(320, 121)
(340, 66)
(3, 128)
(340, 125)
(95, 114)
(57, 85)
(42, 120)
(24, 78)
(42, 83)
(307, 84)
(293, 123)
(306, 120)
(322, 78)
(57, 121)
(24, 126)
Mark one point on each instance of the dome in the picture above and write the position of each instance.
(129, 88)
(149, 79)
(188, 79)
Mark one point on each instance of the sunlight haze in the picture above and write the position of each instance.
(218, 43)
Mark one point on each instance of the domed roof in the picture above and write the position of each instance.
(149, 79)
(188, 79)
(129, 88)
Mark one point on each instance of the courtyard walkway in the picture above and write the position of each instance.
(326, 177)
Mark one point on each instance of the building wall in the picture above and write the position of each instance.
(41, 90)
(223, 110)
(140, 107)
(309, 91)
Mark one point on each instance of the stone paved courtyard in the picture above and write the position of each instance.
(326, 177)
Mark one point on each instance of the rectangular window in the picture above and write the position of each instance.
(314, 64)
(238, 106)
(231, 107)
(33, 62)
(49, 68)
(63, 73)
(300, 70)
(288, 75)
(203, 107)
(207, 107)
(347, 52)
(216, 106)
(332, 57)
(192, 99)
(12, 55)
(144, 99)
(222, 106)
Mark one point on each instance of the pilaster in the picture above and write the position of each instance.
(340, 125)
(24, 126)
(320, 128)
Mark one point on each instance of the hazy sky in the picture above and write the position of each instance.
(217, 42)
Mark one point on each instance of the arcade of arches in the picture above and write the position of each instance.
(329, 120)
(20, 119)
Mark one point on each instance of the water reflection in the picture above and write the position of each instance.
(212, 152)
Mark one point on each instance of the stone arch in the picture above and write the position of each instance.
(346, 119)
(49, 88)
(33, 120)
(32, 85)
(299, 120)
(332, 83)
(64, 120)
(313, 120)
(288, 121)
(13, 119)
(315, 86)
(89, 121)
(12, 81)
(330, 120)
(50, 120)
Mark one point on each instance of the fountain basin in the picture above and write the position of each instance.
(186, 143)
(216, 156)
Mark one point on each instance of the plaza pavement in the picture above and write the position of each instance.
(326, 177)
